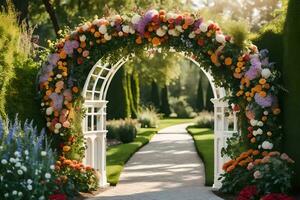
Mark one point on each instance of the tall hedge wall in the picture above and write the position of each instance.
(291, 76)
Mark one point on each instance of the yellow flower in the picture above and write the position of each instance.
(262, 81)
(66, 148)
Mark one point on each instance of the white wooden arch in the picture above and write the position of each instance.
(94, 123)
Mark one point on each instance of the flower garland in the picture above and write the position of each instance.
(246, 72)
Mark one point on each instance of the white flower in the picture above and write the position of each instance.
(47, 176)
(85, 27)
(26, 152)
(17, 154)
(192, 35)
(131, 30)
(259, 131)
(179, 28)
(41, 198)
(6, 195)
(48, 124)
(18, 164)
(24, 168)
(29, 187)
(102, 29)
(29, 181)
(203, 27)
(173, 32)
(42, 104)
(107, 37)
(253, 122)
(257, 174)
(269, 133)
(82, 38)
(4, 161)
(58, 76)
(112, 24)
(57, 125)
(12, 160)
(266, 112)
(170, 15)
(96, 21)
(267, 145)
(135, 19)
(266, 73)
(20, 172)
(260, 124)
(125, 29)
(52, 167)
(220, 38)
(27, 157)
(20, 194)
(160, 32)
(56, 131)
(120, 33)
(14, 192)
(43, 153)
(49, 111)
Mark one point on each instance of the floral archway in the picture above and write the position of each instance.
(244, 71)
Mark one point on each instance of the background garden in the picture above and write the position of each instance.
(150, 92)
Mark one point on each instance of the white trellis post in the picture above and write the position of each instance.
(221, 133)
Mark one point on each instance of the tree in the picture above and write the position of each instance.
(291, 81)
(52, 16)
(155, 95)
(165, 106)
(209, 96)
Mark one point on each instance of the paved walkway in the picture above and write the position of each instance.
(168, 168)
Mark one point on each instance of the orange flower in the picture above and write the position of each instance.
(185, 26)
(263, 94)
(262, 81)
(264, 118)
(227, 164)
(229, 169)
(253, 140)
(67, 162)
(228, 61)
(48, 92)
(97, 34)
(63, 54)
(75, 89)
(138, 40)
(276, 111)
(214, 58)
(66, 148)
(257, 161)
(156, 41)
(240, 64)
(237, 70)
(258, 88)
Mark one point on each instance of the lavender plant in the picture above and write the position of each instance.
(27, 169)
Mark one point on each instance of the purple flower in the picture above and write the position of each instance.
(53, 58)
(45, 73)
(263, 101)
(253, 72)
(57, 100)
(68, 47)
(146, 19)
(255, 61)
(75, 44)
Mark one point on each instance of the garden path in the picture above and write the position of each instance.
(168, 168)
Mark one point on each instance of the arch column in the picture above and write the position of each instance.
(94, 130)
(221, 133)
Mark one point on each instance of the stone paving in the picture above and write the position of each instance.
(168, 168)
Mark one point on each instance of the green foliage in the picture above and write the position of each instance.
(27, 163)
(123, 130)
(291, 81)
(155, 98)
(239, 30)
(148, 118)
(234, 146)
(10, 35)
(204, 142)
(275, 175)
(204, 120)
(165, 105)
(199, 99)
(181, 108)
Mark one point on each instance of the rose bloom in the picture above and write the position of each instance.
(257, 175)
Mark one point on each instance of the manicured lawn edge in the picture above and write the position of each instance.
(204, 143)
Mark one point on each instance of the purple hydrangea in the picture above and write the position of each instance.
(53, 58)
(45, 73)
(57, 100)
(145, 20)
(255, 68)
(263, 101)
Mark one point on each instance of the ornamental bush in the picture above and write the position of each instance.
(27, 163)
(148, 118)
(204, 120)
(122, 130)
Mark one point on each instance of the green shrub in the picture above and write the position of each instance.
(27, 163)
(148, 118)
(123, 130)
(181, 107)
(204, 120)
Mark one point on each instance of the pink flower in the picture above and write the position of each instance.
(250, 166)
(85, 53)
(257, 175)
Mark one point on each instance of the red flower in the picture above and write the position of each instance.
(277, 196)
(247, 193)
(57, 197)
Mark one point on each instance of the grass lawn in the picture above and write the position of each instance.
(204, 142)
(117, 156)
